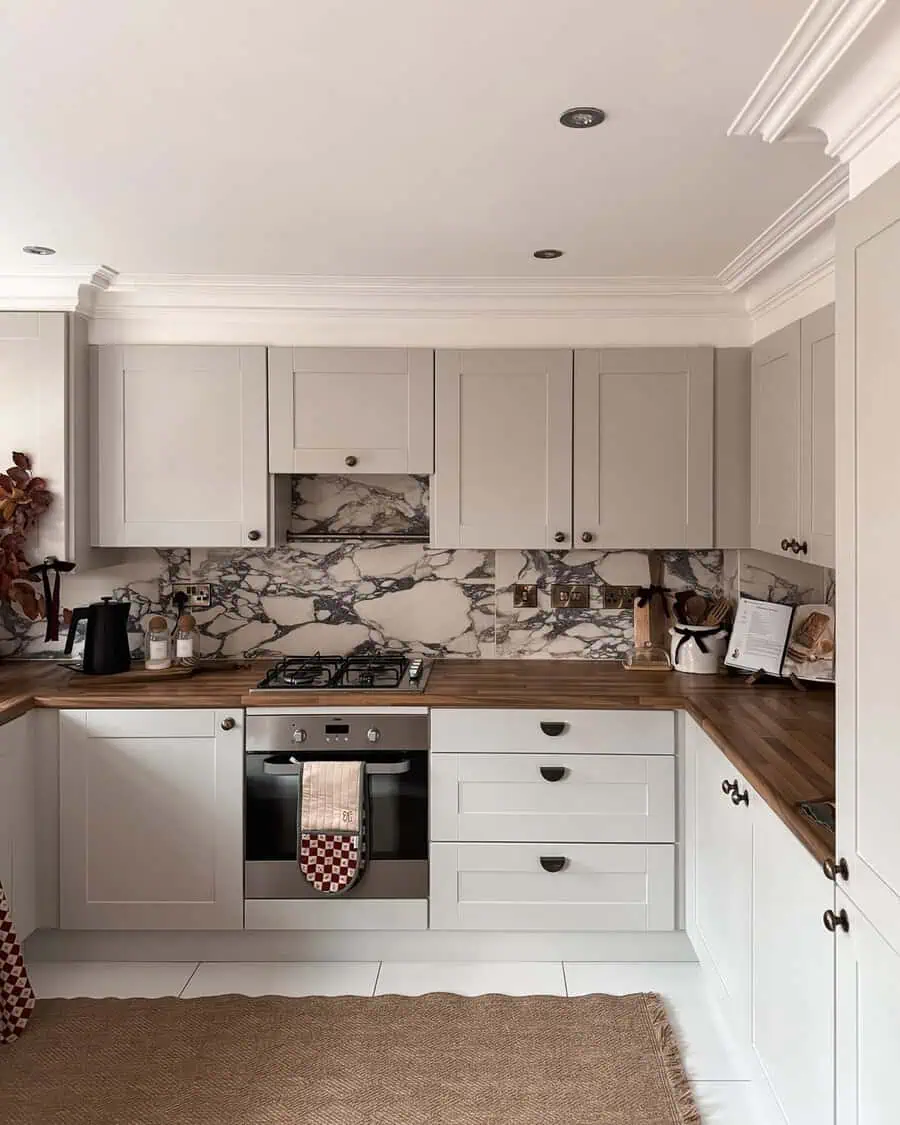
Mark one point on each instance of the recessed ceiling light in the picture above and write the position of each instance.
(41, 251)
(549, 253)
(582, 117)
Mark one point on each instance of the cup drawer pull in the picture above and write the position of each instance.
(553, 730)
(553, 773)
(553, 863)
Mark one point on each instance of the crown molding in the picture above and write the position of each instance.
(798, 283)
(818, 42)
(48, 290)
(804, 217)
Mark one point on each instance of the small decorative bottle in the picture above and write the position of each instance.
(184, 638)
(158, 651)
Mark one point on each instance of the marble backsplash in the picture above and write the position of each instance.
(342, 596)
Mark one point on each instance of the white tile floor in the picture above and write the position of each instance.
(724, 1093)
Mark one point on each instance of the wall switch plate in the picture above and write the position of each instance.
(564, 595)
(198, 593)
(525, 595)
(619, 597)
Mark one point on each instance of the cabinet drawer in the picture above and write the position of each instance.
(473, 731)
(589, 798)
(506, 887)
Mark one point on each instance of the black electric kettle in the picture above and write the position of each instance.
(106, 646)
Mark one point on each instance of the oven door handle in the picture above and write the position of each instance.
(293, 767)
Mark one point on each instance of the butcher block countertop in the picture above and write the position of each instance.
(780, 739)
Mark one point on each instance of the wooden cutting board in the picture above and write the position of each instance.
(141, 675)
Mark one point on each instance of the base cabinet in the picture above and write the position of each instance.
(754, 901)
(792, 1008)
(151, 820)
(868, 1021)
(18, 825)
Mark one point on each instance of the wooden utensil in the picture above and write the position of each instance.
(717, 612)
(695, 609)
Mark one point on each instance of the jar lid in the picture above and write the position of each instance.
(187, 623)
(158, 624)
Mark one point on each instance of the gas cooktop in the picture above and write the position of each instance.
(376, 671)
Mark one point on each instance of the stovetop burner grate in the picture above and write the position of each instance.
(365, 670)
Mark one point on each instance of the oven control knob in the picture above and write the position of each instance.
(373, 734)
(298, 735)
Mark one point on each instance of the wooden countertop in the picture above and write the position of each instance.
(780, 739)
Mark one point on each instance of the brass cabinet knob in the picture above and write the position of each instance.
(833, 868)
(253, 536)
(586, 537)
(351, 461)
(228, 724)
(560, 537)
(785, 544)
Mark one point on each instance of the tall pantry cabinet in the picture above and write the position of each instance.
(868, 622)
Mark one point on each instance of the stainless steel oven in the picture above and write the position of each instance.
(394, 748)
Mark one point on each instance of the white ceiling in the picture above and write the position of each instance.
(373, 138)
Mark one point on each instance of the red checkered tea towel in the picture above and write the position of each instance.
(16, 997)
(331, 844)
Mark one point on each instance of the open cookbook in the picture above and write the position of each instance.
(783, 640)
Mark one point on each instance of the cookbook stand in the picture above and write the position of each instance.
(760, 675)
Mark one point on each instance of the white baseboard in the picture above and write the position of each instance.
(336, 945)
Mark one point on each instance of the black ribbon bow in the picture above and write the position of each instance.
(696, 635)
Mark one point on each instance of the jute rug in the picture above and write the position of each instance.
(392, 1060)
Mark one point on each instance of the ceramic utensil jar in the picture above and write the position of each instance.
(698, 648)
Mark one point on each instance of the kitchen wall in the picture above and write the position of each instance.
(337, 597)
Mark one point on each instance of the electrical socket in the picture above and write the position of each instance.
(619, 597)
(198, 594)
(525, 595)
(567, 595)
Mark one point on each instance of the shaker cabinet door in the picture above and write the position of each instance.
(643, 456)
(180, 450)
(868, 714)
(503, 449)
(18, 825)
(817, 436)
(151, 820)
(359, 410)
(775, 447)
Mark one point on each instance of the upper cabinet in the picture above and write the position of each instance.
(634, 448)
(44, 391)
(366, 410)
(792, 443)
(503, 449)
(643, 453)
(179, 457)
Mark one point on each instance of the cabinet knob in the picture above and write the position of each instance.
(586, 537)
(804, 547)
(798, 547)
(560, 537)
(785, 544)
(833, 868)
(728, 786)
(551, 729)
(838, 921)
(552, 773)
(254, 535)
(351, 461)
(739, 798)
(228, 724)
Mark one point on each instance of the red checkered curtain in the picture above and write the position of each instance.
(16, 997)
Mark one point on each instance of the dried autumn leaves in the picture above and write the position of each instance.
(23, 499)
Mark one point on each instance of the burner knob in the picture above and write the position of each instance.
(298, 735)
(373, 734)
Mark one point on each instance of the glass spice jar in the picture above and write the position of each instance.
(184, 637)
(157, 651)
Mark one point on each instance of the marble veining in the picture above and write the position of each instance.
(360, 505)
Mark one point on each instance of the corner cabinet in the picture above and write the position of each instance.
(362, 410)
(643, 458)
(151, 820)
(179, 457)
(503, 449)
(793, 440)
(531, 453)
